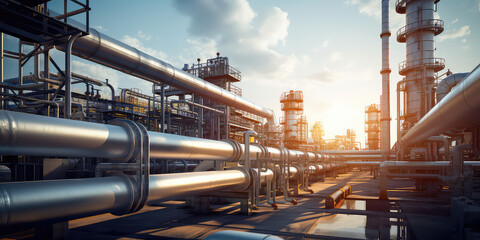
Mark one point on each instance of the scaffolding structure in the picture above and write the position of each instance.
(295, 125)
(372, 127)
(317, 135)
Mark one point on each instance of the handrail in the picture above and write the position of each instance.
(429, 23)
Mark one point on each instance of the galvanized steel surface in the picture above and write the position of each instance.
(34, 135)
(102, 49)
(28, 202)
(458, 109)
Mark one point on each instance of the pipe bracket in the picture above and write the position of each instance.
(140, 155)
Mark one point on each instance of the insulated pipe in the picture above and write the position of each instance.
(102, 49)
(352, 152)
(60, 200)
(35, 135)
(366, 157)
(458, 109)
(361, 163)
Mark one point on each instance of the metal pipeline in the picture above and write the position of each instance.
(458, 109)
(34, 135)
(446, 85)
(413, 165)
(67, 112)
(352, 152)
(365, 157)
(102, 49)
(360, 163)
(60, 200)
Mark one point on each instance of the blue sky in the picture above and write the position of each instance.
(328, 49)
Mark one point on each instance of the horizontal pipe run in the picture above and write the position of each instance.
(102, 49)
(361, 163)
(170, 186)
(352, 152)
(337, 196)
(60, 200)
(458, 109)
(35, 135)
(365, 157)
(422, 165)
(413, 175)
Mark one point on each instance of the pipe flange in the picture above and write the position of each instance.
(127, 125)
(140, 154)
(300, 171)
(264, 150)
(248, 178)
(237, 150)
(130, 182)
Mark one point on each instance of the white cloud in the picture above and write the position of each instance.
(325, 75)
(143, 35)
(101, 28)
(373, 8)
(235, 30)
(325, 43)
(454, 21)
(455, 33)
(136, 43)
(336, 56)
(464, 40)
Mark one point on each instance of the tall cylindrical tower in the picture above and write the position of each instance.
(385, 97)
(317, 135)
(372, 127)
(292, 105)
(421, 65)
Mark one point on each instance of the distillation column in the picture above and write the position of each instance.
(292, 105)
(420, 67)
(372, 127)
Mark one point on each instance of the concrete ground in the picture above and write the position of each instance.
(408, 215)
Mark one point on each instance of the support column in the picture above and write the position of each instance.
(46, 74)
(67, 111)
(2, 103)
(162, 108)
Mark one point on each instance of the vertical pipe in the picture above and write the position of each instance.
(385, 98)
(148, 115)
(20, 68)
(2, 103)
(68, 77)
(162, 108)
(200, 118)
(46, 74)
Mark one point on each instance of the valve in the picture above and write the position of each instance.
(294, 202)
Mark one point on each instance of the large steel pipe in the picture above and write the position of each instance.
(458, 109)
(35, 135)
(365, 157)
(27, 134)
(352, 152)
(28, 202)
(59, 200)
(102, 49)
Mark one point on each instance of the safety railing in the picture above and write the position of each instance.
(436, 25)
(436, 64)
